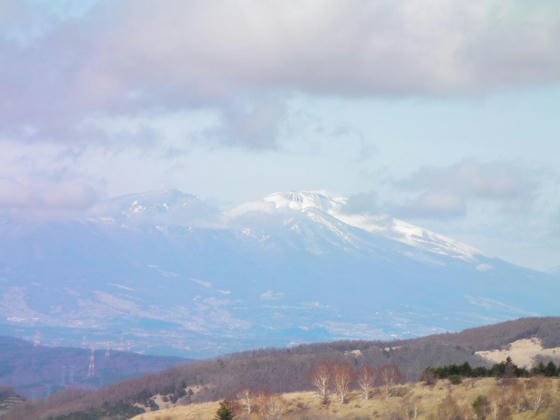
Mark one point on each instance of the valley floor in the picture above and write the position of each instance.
(533, 398)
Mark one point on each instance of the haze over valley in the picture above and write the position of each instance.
(277, 209)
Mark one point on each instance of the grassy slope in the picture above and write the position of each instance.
(427, 400)
(285, 370)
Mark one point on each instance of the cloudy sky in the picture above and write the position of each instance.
(441, 112)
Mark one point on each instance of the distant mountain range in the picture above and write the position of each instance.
(38, 371)
(166, 273)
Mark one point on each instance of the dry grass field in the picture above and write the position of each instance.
(533, 398)
(522, 352)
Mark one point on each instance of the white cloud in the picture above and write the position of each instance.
(224, 292)
(121, 286)
(203, 283)
(484, 267)
(272, 295)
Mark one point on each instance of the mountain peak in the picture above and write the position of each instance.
(326, 209)
(303, 200)
(167, 206)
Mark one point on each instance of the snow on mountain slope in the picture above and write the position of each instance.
(178, 276)
(318, 204)
(170, 207)
(410, 234)
(323, 213)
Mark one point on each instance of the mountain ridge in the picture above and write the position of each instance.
(208, 282)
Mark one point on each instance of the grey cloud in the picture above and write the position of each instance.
(257, 126)
(43, 196)
(362, 203)
(555, 226)
(133, 56)
(469, 178)
(354, 47)
(442, 205)
(446, 191)
(437, 204)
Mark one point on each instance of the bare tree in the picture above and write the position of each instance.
(342, 375)
(448, 409)
(366, 376)
(319, 376)
(260, 396)
(541, 399)
(410, 406)
(246, 398)
(390, 375)
(272, 407)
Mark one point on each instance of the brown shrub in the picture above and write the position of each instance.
(448, 409)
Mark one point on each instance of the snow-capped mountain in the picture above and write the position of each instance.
(172, 274)
(319, 205)
(171, 207)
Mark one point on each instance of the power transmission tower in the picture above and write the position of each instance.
(37, 338)
(91, 367)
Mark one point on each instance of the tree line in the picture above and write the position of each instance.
(506, 369)
(326, 376)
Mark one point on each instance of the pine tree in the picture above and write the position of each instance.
(224, 412)
(550, 369)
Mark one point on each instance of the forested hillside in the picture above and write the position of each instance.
(37, 371)
(285, 370)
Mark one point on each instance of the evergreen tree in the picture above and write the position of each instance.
(509, 368)
(481, 407)
(539, 369)
(550, 369)
(224, 412)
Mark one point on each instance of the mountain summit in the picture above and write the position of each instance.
(321, 207)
